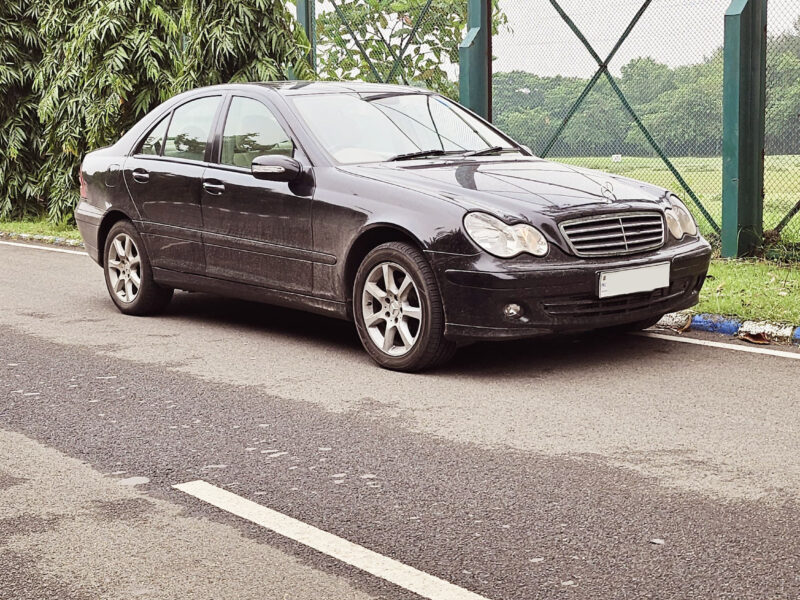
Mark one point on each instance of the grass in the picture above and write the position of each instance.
(704, 176)
(40, 227)
(752, 290)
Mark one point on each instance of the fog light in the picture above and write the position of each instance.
(512, 311)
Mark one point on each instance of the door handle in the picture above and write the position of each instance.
(214, 187)
(141, 176)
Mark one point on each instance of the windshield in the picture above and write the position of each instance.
(356, 129)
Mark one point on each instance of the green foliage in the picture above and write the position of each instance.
(100, 75)
(20, 139)
(425, 41)
(76, 74)
(240, 40)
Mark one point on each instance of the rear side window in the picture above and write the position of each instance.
(190, 128)
(154, 141)
(252, 130)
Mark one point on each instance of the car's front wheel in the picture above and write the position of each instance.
(398, 309)
(129, 278)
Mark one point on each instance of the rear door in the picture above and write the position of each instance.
(164, 176)
(256, 232)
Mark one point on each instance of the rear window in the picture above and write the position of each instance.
(154, 142)
(190, 129)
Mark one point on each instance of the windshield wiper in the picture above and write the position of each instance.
(418, 154)
(485, 151)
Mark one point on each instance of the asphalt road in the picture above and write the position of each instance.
(523, 470)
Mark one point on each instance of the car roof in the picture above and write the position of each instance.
(296, 88)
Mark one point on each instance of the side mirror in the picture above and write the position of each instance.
(273, 167)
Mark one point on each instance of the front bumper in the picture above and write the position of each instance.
(561, 294)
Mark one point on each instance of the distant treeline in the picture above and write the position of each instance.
(681, 107)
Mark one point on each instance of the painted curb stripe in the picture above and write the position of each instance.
(386, 568)
(716, 324)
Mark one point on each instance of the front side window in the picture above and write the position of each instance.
(355, 128)
(153, 143)
(252, 130)
(190, 128)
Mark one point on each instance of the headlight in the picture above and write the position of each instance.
(679, 220)
(505, 241)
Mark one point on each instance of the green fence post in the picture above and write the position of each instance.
(743, 109)
(474, 60)
(306, 16)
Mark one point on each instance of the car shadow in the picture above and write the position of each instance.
(201, 307)
(477, 360)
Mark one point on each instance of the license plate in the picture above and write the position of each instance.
(633, 280)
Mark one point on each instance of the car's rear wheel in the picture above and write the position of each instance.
(398, 309)
(129, 278)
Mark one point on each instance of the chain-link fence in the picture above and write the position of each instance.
(782, 166)
(628, 86)
(413, 42)
(655, 113)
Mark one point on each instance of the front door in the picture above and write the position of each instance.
(256, 232)
(164, 177)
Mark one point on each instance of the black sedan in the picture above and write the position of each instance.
(391, 206)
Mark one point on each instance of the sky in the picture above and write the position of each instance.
(675, 32)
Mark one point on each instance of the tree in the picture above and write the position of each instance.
(108, 62)
(424, 40)
(113, 64)
(643, 80)
(20, 133)
(240, 40)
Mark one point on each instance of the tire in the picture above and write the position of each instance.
(125, 261)
(415, 343)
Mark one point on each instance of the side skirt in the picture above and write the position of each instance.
(243, 291)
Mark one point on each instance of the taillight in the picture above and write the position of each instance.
(84, 192)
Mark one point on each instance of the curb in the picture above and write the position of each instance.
(752, 330)
(42, 239)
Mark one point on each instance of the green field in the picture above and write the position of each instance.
(704, 176)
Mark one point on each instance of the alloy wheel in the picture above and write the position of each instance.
(124, 268)
(391, 309)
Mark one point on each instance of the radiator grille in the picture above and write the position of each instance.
(614, 234)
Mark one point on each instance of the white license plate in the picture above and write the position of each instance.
(633, 280)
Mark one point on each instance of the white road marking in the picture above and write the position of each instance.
(751, 350)
(386, 568)
(46, 248)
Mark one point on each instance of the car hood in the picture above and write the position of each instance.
(515, 187)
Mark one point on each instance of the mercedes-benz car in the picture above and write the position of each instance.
(391, 206)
